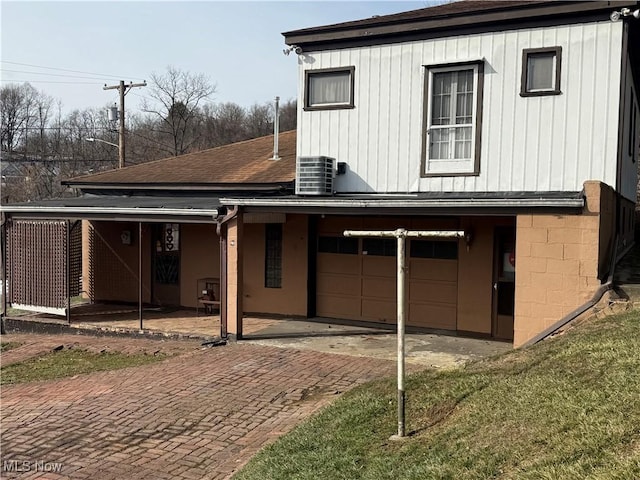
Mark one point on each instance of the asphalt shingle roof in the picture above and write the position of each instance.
(242, 162)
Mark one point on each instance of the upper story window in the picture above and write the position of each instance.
(453, 119)
(541, 71)
(329, 88)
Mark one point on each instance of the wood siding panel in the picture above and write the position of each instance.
(527, 143)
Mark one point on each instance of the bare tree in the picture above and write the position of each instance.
(288, 115)
(16, 111)
(176, 97)
(259, 120)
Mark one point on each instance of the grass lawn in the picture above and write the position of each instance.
(4, 346)
(67, 363)
(568, 408)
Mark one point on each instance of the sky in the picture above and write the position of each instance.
(70, 50)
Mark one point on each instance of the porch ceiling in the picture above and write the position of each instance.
(121, 208)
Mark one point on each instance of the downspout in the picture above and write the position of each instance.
(570, 317)
(220, 221)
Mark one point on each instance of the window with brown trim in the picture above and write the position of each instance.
(273, 255)
(453, 119)
(329, 88)
(541, 69)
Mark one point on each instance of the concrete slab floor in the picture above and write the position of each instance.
(431, 350)
(321, 335)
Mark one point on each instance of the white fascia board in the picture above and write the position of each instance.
(406, 202)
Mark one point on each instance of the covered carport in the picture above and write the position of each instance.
(55, 250)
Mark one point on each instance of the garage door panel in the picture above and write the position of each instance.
(432, 316)
(336, 306)
(439, 292)
(363, 286)
(341, 284)
(379, 266)
(378, 310)
(336, 263)
(432, 269)
(378, 287)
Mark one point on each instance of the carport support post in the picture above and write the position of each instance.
(68, 270)
(3, 269)
(140, 273)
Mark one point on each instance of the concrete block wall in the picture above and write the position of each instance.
(557, 258)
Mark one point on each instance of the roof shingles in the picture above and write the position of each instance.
(237, 163)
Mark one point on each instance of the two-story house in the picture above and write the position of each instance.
(515, 121)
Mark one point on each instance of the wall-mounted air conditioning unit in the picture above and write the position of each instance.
(314, 175)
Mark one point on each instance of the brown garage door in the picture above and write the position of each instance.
(357, 280)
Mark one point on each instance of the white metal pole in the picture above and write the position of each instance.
(401, 235)
(401, 240)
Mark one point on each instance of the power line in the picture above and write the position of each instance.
(67, 70)
(47, 81)
(50, 74)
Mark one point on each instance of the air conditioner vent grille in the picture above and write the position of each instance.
(314, 175)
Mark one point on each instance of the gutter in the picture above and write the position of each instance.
(406, 203)
(570, 317)
(208, 187)
(108, 210)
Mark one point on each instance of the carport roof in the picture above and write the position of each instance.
(428, 203)
(116, 207)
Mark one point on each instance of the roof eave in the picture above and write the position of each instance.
(573, 202)
(447, 23)
(170, 186)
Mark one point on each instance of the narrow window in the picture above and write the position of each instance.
(440, 249)
(541, 71)
(383, 247)
(343, 245)
(329, 88)
(453, 119)
(273, 255)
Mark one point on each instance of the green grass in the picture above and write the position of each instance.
(4, 346)
(67, 363)
(568, 408)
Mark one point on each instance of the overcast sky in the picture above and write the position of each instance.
(238, 45)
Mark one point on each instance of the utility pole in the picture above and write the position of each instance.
(122, 89)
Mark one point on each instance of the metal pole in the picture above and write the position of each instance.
(401, 234)
(68, 270)
(276, 130)
(121, 129)
(3, 267)
(140, 273)
(401, 239)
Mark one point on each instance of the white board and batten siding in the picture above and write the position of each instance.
(547, 143)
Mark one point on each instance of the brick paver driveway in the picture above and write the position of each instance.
(202, 414)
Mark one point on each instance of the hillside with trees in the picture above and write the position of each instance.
(41, 145)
